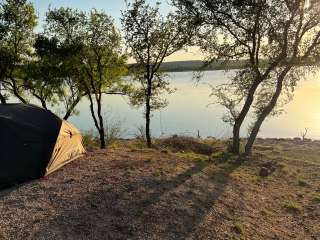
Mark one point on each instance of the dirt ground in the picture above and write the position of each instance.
(131, 193)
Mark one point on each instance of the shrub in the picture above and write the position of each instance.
(89, 140)
(187, 144)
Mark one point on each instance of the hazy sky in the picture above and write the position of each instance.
(111, 7)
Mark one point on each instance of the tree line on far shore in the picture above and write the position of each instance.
(83, 55)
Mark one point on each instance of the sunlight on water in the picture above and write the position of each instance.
(303, 112)
(189, 111)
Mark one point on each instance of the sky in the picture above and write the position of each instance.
(113, 8)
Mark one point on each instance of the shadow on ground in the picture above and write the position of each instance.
(141, 208)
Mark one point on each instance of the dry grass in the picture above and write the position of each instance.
(137, 193)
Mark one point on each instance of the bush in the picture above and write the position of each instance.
(187, 144)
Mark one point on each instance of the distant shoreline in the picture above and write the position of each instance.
(198, 65)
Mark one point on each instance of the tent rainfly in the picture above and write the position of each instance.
(34, 143)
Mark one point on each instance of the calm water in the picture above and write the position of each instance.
(189, 110)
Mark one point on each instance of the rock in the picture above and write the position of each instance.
(264, 172)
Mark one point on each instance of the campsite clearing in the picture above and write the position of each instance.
(131, 193)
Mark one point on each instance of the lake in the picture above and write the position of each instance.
(189, 110)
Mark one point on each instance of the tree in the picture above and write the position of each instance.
(17, 23)
(93, 62)
(151, 38)
(268, 33)
(60, 46)
(301, 44)
(42, 74)
(104, 65)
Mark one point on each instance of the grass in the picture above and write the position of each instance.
(238, 227)
(222, 156)
(90, 140)
(292, 207)
(192, 156)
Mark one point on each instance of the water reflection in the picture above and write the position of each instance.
(188, 111)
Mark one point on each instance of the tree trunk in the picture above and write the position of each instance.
(103, 144)
(148, 110)
(3, 100)
(101, 124)
(44, 104)
(72, 107)
(16, 92)
(96, 123)
(235, 148)
(265, 112)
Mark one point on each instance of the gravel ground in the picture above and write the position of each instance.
(127, 193)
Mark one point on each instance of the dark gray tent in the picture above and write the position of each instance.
(34, 142)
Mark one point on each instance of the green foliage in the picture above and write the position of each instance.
(17, 23)
(92, 58)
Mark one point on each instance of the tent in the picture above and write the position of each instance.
(34, 143)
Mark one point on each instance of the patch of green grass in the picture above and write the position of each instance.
(292, 207)
(138, 144)
(238, 227)
(157, 173)
(222, 157)
(316, 199)
(192, 156)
